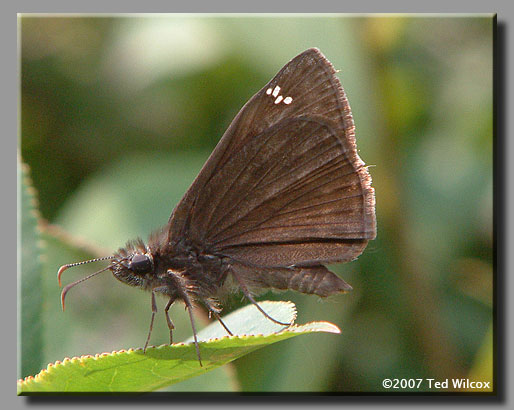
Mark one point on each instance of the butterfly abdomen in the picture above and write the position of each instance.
(312, 280)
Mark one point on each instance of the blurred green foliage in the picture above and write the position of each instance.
(119, 113)
(30, 282)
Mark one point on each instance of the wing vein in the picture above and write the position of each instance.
(280, 192)
(267, 219)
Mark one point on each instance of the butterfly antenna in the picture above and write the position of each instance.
(68, 287)
(70, 265)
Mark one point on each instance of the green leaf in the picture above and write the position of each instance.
(30, 283)
(134, 371)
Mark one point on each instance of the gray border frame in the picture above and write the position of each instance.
(503, 195)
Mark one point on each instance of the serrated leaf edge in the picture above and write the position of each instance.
(331, 328)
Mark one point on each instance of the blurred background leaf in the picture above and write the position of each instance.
(29, 278)
(119, 114)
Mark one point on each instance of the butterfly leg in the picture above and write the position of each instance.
(217, 316)
(248, 295)
(191, 318)
(215, 310)
(154, 311)
(171, 326)
(180, 285)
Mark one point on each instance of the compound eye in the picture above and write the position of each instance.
(140, 264)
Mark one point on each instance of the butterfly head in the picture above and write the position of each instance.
(133, 264)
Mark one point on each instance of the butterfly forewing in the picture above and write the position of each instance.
(285, 175)
(294, 183)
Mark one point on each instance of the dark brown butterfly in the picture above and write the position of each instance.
(283, 193)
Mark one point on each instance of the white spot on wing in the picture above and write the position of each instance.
(278, 98)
